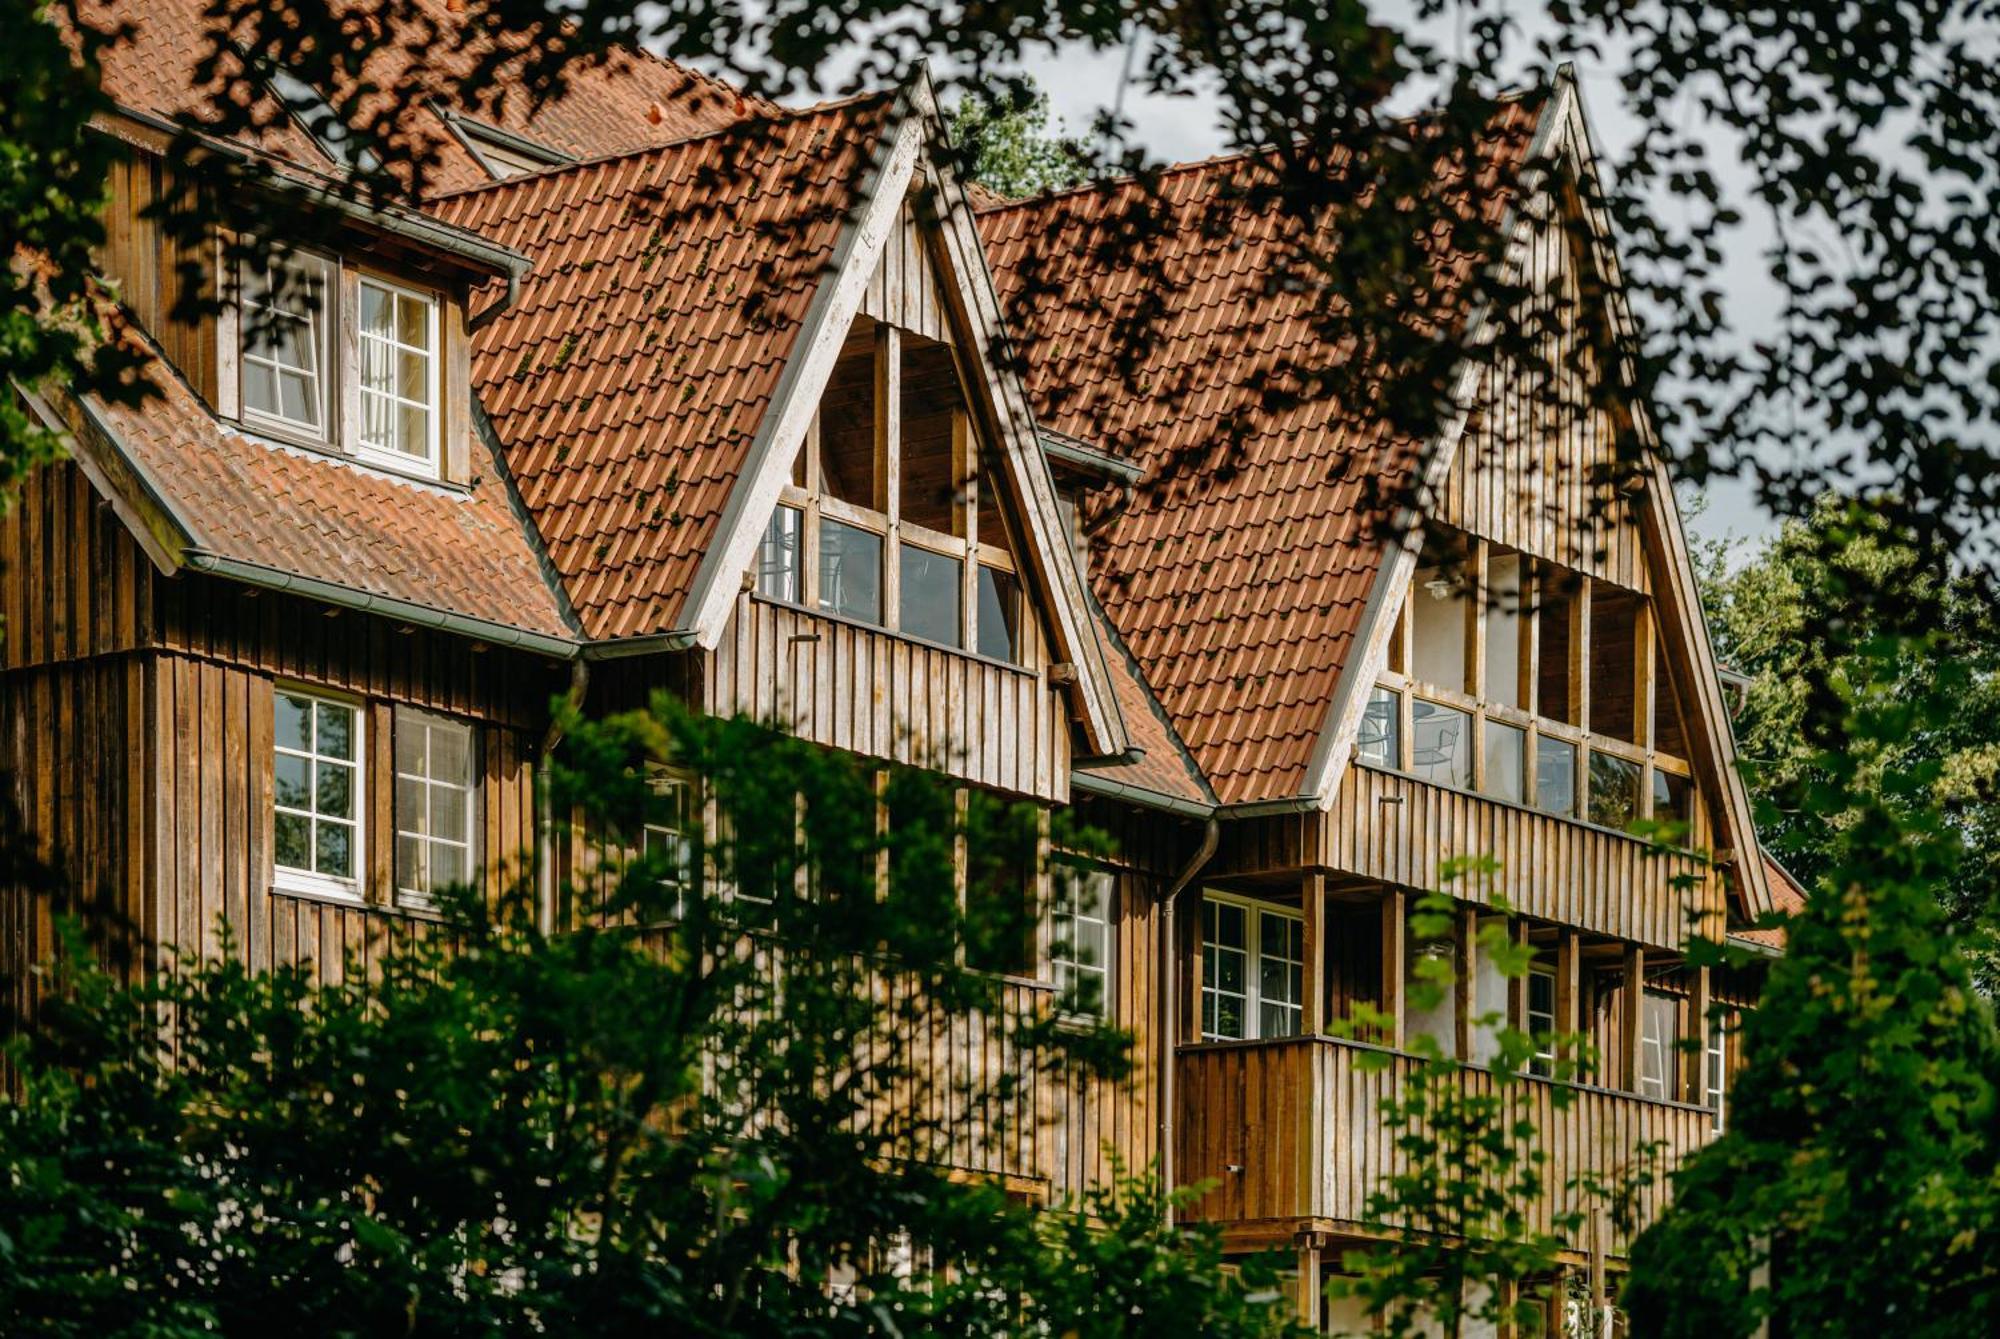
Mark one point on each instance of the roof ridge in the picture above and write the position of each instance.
(777, 115)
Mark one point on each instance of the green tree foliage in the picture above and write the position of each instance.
(1857, 1189)
(1770, 616)
(705, 1108)
(1459, 1249)
(1007, 145)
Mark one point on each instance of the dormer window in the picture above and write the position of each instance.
(333, 357)
(399, 376)
(287, 345)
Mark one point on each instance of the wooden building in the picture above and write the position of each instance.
(711, 402)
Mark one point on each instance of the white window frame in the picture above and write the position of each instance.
(430, 465)
(1252, 996)
(663, 783)
(1062, 910)
(301, 264)
(1656, 1082)
(293, 880)
(1541, 1021)
(422, 899)
(1715, 1074)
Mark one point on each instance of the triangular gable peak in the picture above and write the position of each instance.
(896, 483)
(1542, 643)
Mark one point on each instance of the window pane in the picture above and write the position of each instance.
(1506, 761)
(1503, 631)
(1555, 776)
(334, 792)
(1381, 738)
(293, 723)
(930, 595)
(1441, 743)
(313, 776)
(999, 615)
(413, 321)
(447, 864)
(435, 760)
(375, 310)
(1673, 798)
(294, 832)
(1614, 790)
(336, 731)
(260, 387)
(778, 557)
(284, 330)
(334, 849)
(448, 811)
(289, 775)
(850, 571)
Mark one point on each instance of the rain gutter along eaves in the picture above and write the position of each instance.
(681, 639)
(408, 611)
(1090, 783)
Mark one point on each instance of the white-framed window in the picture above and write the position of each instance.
(778, 556)
(1253, 970)
(1659, 1032)
(435, 805)
(397, 338)
(666, 837)
(1715, 1075)
(1542, 1019)
(1080, 939)
(316, 764)
(287, 354)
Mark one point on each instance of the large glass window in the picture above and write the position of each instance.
(316, 770)
(399, 376)
(1614, 790)
(1555, 776)
(1673, 798)
(1253, 971)
(1503, 632)
(1506, 762)
(850, 570)
(929, 599)
(1080, 939)
(1438, 615)
(778, 556)
(1381, 738)
(999, 615)
(288, 345)
(1440, 743)
(434, 805)
(1715, 1074)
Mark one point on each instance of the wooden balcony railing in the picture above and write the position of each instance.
(1293, 1130)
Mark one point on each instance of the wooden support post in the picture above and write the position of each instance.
(1466, 988)
(1531, 636)
(1579, 655)
(965, 478)
(889, 464)
(1395, 930)
(1308, 1294)
(1193, 913)
(1517, 986)
(1569, 991)
(1312, 983)
(1632, 1018)
(1475, 619)
(1642, 680)
(1695, 1085)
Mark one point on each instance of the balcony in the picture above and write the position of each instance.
(1291, 1132)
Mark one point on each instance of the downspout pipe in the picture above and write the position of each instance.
(1170, 997)
(545, 812)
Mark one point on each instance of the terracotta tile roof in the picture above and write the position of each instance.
(1164, 769)
(628, 379)
(1239, 589)
(460, 552)
(1787, 895)
(632, 100)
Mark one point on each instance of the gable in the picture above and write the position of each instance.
(1542, 542)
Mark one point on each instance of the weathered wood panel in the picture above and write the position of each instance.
(152, 273)
(871, 692)
(1293, 1129)
(73, 582)
(903, 291)
(1537, 470)
(1398, 830)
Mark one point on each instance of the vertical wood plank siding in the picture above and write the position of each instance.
(883, 696)
(1537, 479)
(1293, 1129)
(146, 269)
(76, 584)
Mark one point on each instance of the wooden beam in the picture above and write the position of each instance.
(965, 482)
(1695, 1080)
(1308, 1288)
(1195, 926)
(1395, 930)
(1475, 618)
(1517, 986)
(1569, 991)
(1312, 979)
(1579, 655)
(889, 464)
(1643, 686)
(1466, 988)
(1631, 1018)
(1531, 635)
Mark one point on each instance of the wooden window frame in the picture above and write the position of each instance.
(311, 883)
(807, 493)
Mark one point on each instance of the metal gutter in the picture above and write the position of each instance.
(1074, 451)
(625, 647)
(1090, 783)
(408, 611)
